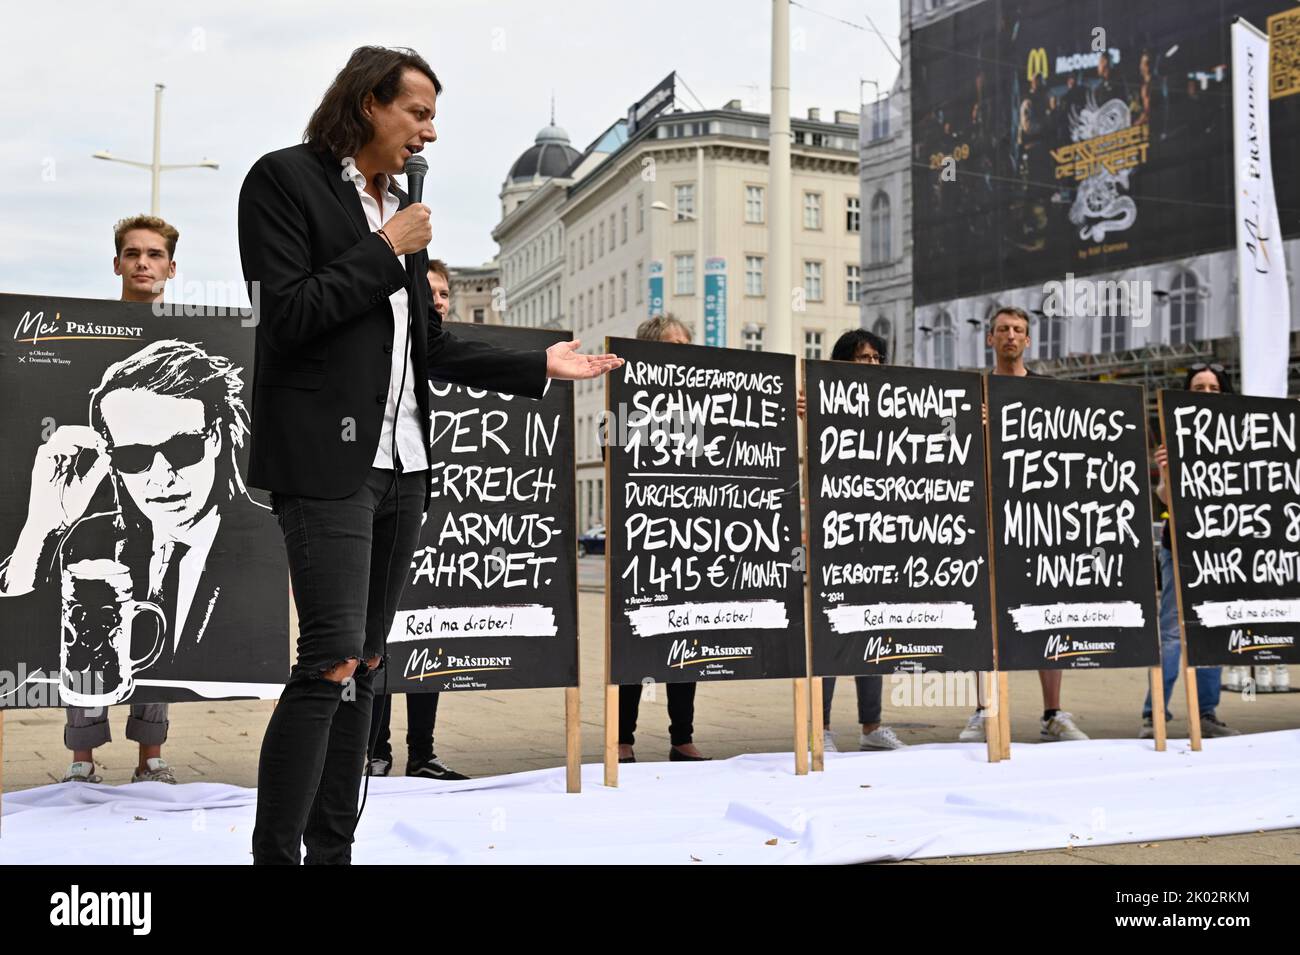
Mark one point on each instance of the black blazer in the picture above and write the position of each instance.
(319, 280)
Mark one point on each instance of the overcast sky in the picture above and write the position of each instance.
(242, 77)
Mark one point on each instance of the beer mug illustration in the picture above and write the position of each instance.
(95, 663)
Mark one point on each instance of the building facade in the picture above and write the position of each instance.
(643, 214)
(474, 295)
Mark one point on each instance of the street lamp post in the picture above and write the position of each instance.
(156, 167)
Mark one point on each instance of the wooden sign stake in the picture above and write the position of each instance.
(1193, 705)
(1158, 711)
(573, 739)
(611, 734)
(818, 741)
(1004, 713)
(992, 725)
(801, 726)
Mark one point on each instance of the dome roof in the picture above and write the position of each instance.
(549, 156)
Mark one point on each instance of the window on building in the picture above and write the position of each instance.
(812, 345)
(640, 211)
(881, 227)
(600, 302)
(853, 214)
(684, 201)
(582, 250)
(610, 313)
(1114, 325)
(754, 204)
(853, 284)
(1184, 309)
(622, 232)
(752, 338)
(622, 291)
(884, 330)
(684, 274)
(480, 316)
(611, 232)
(640, 282)
(1051, 340)
(880, 118)
(943, 342)
(812, 210)
(753, 275)
(571, 256)
(591, 245)
(572, 317)
(812, 281)
(601, 234)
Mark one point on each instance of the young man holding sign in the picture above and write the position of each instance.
(1008, 336)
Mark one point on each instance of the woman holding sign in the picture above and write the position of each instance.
(864, 347)
(1211, 379)
(681, 696)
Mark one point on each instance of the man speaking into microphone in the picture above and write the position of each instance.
(346, 343)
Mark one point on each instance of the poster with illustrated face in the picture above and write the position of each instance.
(134, 563)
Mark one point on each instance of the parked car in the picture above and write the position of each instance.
(592, 542)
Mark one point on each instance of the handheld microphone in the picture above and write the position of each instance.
(416, 169)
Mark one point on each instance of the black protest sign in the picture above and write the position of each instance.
(1073, 557)
(705, 566)
(1234, 486)
(491, 599)
(897, 520)
(134, 564)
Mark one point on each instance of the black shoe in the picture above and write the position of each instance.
(432, 768)
(627, 759)
(677, 756)
(379, 766)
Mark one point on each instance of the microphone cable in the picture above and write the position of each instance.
(373, 735)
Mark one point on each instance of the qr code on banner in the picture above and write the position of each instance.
(1284, 54)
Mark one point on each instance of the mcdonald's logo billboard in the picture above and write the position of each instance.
(1037, 65)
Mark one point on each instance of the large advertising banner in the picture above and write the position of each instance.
(1067, 137)
(134, 563)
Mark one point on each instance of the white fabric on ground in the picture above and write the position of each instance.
(931, 800)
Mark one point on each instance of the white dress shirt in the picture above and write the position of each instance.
(410, 439)
(199, 541)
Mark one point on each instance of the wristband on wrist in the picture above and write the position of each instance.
(388, 240)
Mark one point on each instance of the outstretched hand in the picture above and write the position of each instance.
(563, 361)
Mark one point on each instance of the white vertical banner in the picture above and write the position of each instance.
(1263, 300)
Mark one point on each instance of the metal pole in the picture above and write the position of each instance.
(156, 168)
(780, 327)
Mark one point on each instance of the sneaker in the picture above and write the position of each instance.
(974, 731)
(157, 772)
(828, 742)
(882, 737)
(1148, 730)
(432, 768)
(1060, 727)
(379, 767)
(82, 773)
(1212, 726)
(1263, 679)
(1281, 678)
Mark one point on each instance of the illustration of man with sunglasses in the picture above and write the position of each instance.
(156, 466)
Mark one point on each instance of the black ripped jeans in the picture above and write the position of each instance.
(313, 753)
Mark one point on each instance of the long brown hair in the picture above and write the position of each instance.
(339, 126)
